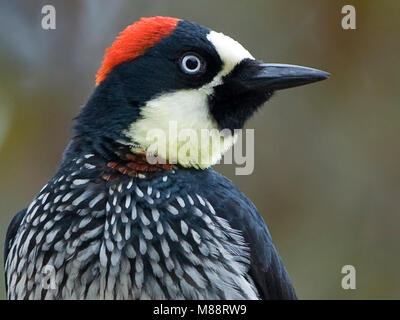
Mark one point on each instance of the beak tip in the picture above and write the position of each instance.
(276, 76)
(324, 75)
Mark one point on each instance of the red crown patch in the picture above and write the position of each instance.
(134, 40)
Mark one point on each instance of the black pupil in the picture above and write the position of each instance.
(192, 63)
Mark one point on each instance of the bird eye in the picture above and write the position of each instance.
(191, 63)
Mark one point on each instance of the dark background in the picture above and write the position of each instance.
(326, 179)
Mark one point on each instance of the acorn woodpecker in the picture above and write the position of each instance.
(111, 224)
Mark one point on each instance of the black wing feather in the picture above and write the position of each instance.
(11, 233)
(267, 269)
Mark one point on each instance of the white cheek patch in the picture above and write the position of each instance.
(180, 114)
(177, 126)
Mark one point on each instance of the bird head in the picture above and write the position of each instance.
(173, 77)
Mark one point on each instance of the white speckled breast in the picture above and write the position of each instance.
(130, 238)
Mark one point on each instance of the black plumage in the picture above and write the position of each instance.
(112, 225)
(74, 220)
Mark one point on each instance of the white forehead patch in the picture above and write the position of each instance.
(230, 51)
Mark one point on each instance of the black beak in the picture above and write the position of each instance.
(255, 75)
(250, 84)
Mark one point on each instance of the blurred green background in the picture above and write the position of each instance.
(327, 176)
